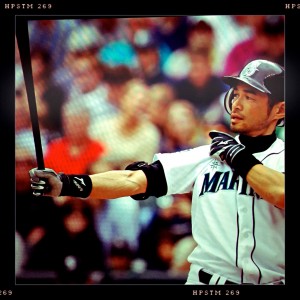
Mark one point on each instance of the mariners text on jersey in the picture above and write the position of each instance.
(225, 181)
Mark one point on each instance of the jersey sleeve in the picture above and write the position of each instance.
(182, 168)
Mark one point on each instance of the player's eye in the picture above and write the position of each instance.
(234, 97)
(249, 97)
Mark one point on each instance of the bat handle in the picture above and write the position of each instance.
(40, 165)
(38, 144)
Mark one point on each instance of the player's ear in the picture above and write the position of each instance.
(279, 110)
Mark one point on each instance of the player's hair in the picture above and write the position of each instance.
(276, 85)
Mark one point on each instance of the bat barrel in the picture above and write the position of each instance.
(24, 49)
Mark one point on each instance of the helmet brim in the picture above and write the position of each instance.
(232, 81)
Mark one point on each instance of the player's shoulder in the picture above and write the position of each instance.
(279, 145)
(275, 151)
(187, 154)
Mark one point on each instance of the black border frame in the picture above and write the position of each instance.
(93, 8)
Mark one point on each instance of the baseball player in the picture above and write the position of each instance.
(238, 215)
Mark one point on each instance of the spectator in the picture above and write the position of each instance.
(170, 224)
(183, 129)
(51, 34)
(73, 249)
(120, 257)
(172, 31)
(80, 252)
(201, 87)
(111, 228)
(75, 152)
(50, 96)
(200, 40)
(267, 42)
(228, 31)
(162, 95)
(121, 51)
(149, 57)
(128, 135)
(115, 78)
(84, 42)
(111, 29)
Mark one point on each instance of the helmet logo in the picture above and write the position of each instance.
(251, 68)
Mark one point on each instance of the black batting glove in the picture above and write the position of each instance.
(224, 147)
(45, 182)
(48, 183)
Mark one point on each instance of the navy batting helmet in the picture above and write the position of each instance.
(263, 75)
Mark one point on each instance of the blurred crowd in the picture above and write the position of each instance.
(111, 91)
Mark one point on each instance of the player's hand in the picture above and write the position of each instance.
(224, 147)
(45, 182)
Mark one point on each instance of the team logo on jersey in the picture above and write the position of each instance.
(214, 164)
(250, 69)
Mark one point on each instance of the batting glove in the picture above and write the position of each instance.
(45, 182)
(225, 148)
(48, 183)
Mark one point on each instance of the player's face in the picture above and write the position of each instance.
(251, 114)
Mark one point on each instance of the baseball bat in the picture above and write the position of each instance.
(24, 50)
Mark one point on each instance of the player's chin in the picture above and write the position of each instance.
(235, 126)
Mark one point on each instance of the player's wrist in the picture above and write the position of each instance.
(75, 185)
(243, 162)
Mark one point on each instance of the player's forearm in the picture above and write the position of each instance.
(115, 184)
(267, 183)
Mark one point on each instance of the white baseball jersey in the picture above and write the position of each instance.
(239, 236)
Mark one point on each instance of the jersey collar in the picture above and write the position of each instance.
(258, 143)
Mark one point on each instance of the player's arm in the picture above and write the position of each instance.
(115, 184)
(106, 185)
(267, 183)
(140, 180)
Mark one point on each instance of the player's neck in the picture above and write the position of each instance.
(258, 143)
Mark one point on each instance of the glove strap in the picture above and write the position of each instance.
(243, 163)
(75, 185)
